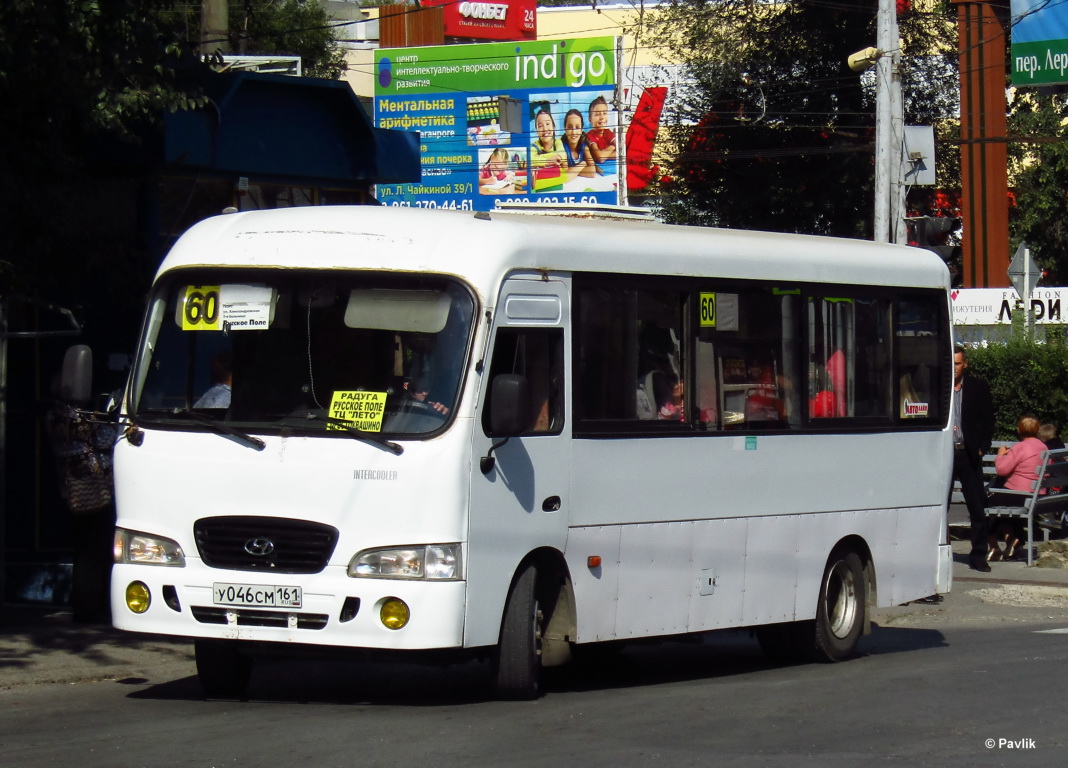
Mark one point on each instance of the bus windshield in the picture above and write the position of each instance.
(335, 353)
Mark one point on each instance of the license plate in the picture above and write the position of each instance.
(257, 595)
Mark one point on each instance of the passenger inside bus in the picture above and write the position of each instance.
(660, 387)
(660, 396)
(827, 386)
(836, 373)
(821, 399)
(222, 375)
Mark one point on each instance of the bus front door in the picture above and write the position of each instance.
(519, 508)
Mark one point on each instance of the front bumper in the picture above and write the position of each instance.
(336, 610)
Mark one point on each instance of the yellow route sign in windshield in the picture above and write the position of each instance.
(363, 410)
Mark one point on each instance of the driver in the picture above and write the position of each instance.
(418, 390)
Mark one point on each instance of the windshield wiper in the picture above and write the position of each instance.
(224, 429)
(359, 434)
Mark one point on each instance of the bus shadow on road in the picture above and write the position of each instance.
(889, 639)
(722, 654)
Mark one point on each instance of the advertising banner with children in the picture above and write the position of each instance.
(530, 122)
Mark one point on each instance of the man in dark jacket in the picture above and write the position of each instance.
(973, 431)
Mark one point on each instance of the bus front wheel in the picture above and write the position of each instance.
(517, 666)
(840, 612)
(222, 669)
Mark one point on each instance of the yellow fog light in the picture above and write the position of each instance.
(138, 598)
(394, 613)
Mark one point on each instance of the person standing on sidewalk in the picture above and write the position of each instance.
(973, 431)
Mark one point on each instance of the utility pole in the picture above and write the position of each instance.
(983, 149)
(214, 26)
(889, 129)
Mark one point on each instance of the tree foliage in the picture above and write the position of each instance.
(1026, 377)
(1039, 173)
(296, 28)
(272, 27)
(72, 71)
(69, 70)
(774, 131)
(68, 66)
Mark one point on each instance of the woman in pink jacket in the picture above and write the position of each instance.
(1018, 465)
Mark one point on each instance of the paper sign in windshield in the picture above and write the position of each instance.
(246, 307)
(363, 410)
(226, 307)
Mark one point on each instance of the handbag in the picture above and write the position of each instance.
(83, 450)
(87, 483)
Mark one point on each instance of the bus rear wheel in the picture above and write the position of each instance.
(222, 669)
(834, 633)
(517, 662)
(840, 612)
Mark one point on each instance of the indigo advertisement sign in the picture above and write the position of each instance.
(529, 122)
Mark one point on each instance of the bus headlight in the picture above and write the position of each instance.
(143, 549)
(437, 562)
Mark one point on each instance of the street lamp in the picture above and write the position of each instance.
(864, 60)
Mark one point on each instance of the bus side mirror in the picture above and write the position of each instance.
(509, 412)
(76, 378)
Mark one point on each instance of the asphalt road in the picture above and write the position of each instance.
(918, 697)
(932, 686)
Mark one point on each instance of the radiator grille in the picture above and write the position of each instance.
(268, 544)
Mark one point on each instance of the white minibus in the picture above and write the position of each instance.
(511, 436)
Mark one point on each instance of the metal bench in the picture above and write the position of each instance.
(989, 473)
(1043, 505)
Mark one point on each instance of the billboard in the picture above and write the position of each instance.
(500, 20)
(995, 306)
(529, 122)
(1039, 42)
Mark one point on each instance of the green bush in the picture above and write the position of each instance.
(1026, 376)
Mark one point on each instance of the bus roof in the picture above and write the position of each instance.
(483, 247)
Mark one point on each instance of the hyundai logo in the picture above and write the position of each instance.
(259, 547)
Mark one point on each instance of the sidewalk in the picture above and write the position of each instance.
(41, 643)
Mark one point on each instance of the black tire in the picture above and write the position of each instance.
(222, 669)
(517, 665)
(840, 612)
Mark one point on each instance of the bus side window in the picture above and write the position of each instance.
(537, 354)
(747, 360)
(630, 365)
(920, 349)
